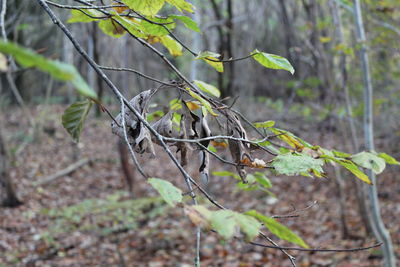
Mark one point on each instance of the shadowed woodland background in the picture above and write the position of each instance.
(102, 213)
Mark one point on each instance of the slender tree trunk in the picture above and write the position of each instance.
(225, 47)
(358, 185)
(229, 49)
(8, 197)
(126, 167)
(194, 67)
(380, 231)
(289, 36)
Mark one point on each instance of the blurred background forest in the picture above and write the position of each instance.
(85, 217)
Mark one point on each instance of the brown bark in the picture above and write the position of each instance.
(225, 47)
(126, 167)
(8, 196)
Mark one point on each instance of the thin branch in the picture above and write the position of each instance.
(82, 7)
(136, 72)
(318, 249)
(133, 156)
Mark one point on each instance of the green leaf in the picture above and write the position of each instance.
(369, 161)
(389, 159)
(188, 22)
(157, 29)
(58, 70)
(175, 104)
(154, 115)
(182, 5)
(174, 48)
(79, 16)
(206, 54)
(272, 61)
(212, 148)
(219, 66)
(265, 124)
(112, 28)
(204, 102)
(262, 179)
(132, 26)
(145, 7)
(208, 88)
(247, 186)
(341, 154)
(74, 117)
(171, 194)
(225, 222)
(278, 229)
(351, 166)
(291, 139)
(249, 226)
(227, 173)
(294, 164)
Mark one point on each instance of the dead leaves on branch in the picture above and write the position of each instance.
(189, 120)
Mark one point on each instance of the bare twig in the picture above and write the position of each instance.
(63, 172)
(318, 249)
(136, 72)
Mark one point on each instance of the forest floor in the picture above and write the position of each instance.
(161, 236)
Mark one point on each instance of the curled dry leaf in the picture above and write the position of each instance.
(138, 135)
(256, 163)
(239, 150)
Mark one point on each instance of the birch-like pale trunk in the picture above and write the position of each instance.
(380, 231)
(362, 198)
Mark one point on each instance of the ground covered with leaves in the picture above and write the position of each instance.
(87, 218)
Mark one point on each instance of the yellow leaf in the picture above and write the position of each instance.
(219, 66)
(325, 39)
(219, 144)
(174, 48)
(192, 105)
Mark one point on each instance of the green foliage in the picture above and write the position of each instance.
(297, 163)
(182, 5)
(278, 229)
(204, 102)
(255, 181)
(172, 45)
(272, 61)
(265, 124)
(102, 216)
(208, 88)
(350, 166)
(74, 117)
(370, 161)
(188, 22)
(211, 58)
(111, 28)
(224, 222)
(145, 7)
(87, 15)
(171, 194)
(58, 70)
(158, 26)
(388, 159)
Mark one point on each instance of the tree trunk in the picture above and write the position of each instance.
(380, 231)
(126, 167)
(358, 185)
(8, 197)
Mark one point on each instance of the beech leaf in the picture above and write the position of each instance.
(171, 194)
(74, 117)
